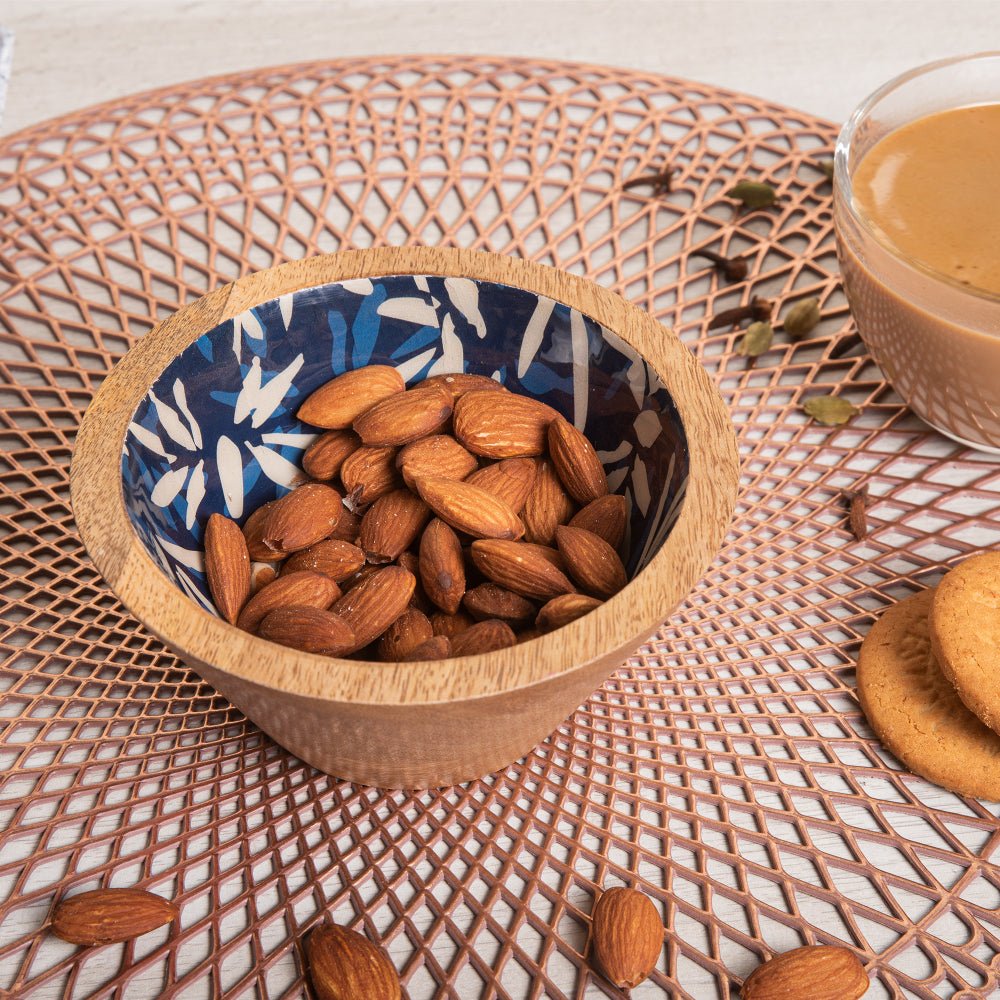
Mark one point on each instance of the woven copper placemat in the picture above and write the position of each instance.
(726, 768)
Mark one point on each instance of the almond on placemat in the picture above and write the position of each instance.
(227, 566)
(305, 588)
(816, 972)
(110, 916)
(405, 417)
(470, 509)
(627, 937)
(344, 965)
(519, 567)
(311, 630)
(339, 402)
(502, 425)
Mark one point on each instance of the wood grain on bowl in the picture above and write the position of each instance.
(433, 722)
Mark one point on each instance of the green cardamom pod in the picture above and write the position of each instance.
(826, 167)
(756, 340)
(831, 411)
(801, 318)
(753, 194)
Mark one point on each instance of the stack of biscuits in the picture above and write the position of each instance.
(929, 679)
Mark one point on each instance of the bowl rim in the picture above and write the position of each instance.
(617, 625)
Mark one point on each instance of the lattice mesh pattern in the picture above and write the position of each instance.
(726, 768)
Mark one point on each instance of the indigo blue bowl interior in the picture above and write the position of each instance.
(218, 431)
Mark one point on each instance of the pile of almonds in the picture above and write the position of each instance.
(452, 518)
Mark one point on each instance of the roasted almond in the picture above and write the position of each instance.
(518, 567)
(311, 630)
(510, 481)
(344, 965)
(253, 528)
(348, 527)
(627, 938)
(591, 562)
(342, 400)
(564, 609)
(819, 972)
(410, 562)
(575, 461)
(442, 570)
(490, 601)
(362, 574)
(301, 518)
(439, 455)
(502, 424)
(227, 566)
(109, 916)
(459, 383)
(261, 574)
(436, 648)
(527, 634)
(405, 417)
(391, 525)
(333, 557)
(410, 630)
(450, 625)
(548, 505)
(324, 457)
(305, 588)
(469, 508)
(375, 603)
(483, 637)
(367, 474)
(605, 517)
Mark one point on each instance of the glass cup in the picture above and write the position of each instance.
(936, 339)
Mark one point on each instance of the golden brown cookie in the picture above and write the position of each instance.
(914, 709)
(965, 634)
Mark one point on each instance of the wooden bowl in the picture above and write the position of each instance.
(200, 417)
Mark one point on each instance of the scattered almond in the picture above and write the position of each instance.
(405, 416)
(439, 455)
(509, 480)
(605, 517)
(301, 518)
(576, 463)
(502, 425)
(490, 601)
(375, 603)
(110, 916)
(332, 557)
(227, 566)
(305, 588)
(483, 637)
(564, 609)
(312, 630)
(391, 525)
(520, 568)
(409, 631)
(442, 571)
(459, 383)
(548, 505)
(344, 965)
(627, 937)
(591, 562)
(324, 457)
(819, 972)
(470, 509)
(368, 474)
(342, 400)
(436, 648)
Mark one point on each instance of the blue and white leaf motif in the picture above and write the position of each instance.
(229, 439)
(465, 298)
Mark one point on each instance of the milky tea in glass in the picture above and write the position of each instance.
(917, 212)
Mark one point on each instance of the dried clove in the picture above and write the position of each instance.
(758, 310)
(731, 268)
(661, 182)
(858, 512)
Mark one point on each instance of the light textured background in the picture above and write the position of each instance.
(819, 55)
